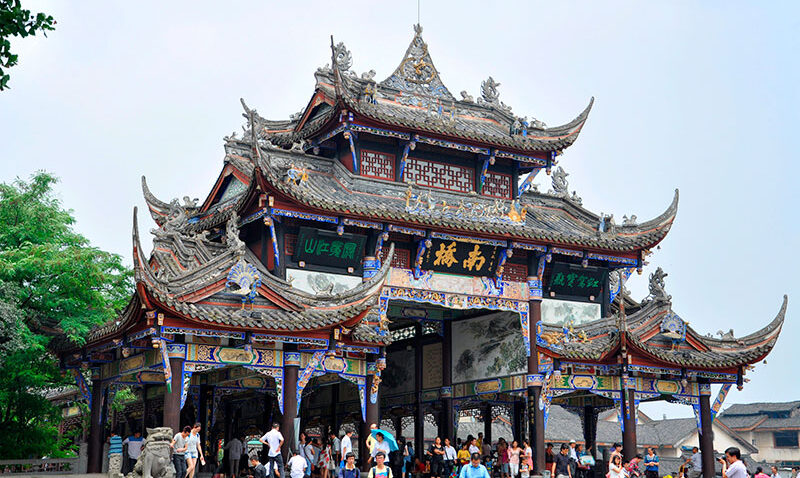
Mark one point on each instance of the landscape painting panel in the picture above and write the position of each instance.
(488, 346)
(398, 377)
(566, 313)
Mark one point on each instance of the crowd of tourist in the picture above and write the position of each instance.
(473, 457)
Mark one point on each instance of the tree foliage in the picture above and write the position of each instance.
(18, 22)
(54, 287)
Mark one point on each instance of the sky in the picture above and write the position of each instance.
(700, 96)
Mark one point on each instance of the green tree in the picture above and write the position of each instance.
(54, 287)
(18, 22)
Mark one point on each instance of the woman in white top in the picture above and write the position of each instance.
(615, 468)
(193, 451)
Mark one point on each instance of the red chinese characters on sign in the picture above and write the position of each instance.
(440, 175)
(497, 185)
(377, 165)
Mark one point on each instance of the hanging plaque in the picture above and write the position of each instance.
(327, 248)
(576, 281)
(460, 258)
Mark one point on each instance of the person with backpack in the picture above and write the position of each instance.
(408, 460)
(396, 458)
(349, 470)
(380, 470)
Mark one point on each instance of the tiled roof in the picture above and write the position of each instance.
(187, 275)
(760, 407)
(425, 105)
(604, 334)
(331, 187)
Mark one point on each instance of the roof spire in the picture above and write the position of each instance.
(416, 74)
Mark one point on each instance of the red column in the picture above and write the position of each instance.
(291, 365)
(535, 414)
(172, 399)
(628, 404)
(706, 432)
(95, 451)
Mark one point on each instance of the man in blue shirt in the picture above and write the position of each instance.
(474, 469)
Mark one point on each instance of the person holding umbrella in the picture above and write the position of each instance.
(381, 444)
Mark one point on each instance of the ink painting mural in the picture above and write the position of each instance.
(568, 313)
(487, 347)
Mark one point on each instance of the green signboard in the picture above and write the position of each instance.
(576, 281)
(460, 258)
(327, 248)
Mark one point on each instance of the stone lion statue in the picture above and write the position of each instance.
(154, 462)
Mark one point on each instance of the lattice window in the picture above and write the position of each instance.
(440, 175)
(404, 333)
(377, 165)
(289, 241)
(401, 258)
(515, 272)
(497, 185)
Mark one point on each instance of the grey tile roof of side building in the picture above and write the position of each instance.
(760, 407)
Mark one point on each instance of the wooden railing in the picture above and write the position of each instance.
(54, 466)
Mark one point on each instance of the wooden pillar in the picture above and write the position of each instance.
(419, 410)
(487, 423)
(95, 452)
(143, 426)
(706, 432)
(397, 421)
(535, 414)
(172, 399)
(333, 422)
(628, 404)
(373, 416)
(446, 419)
(589, 427)
(373, 407)
(518, 419)
(202, 414)
(291, 365)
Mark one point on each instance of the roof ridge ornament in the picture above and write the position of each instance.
(561, 187)
(658, 292)
(342, 57)
(232, 235)
(416, 74)
(489, 93)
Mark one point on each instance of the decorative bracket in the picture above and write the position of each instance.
(421, 247)
(723, 392)
(504, 255)
(410, 146)
(349, 135)
(486, 163)
(527, 183)
(269, 221)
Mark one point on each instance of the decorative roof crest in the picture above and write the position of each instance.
(658, 291)
(342, 57)
(232, 235)
(489, 93)
(561, 187)
(673, 327)
(246, 279)
(416, 73)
